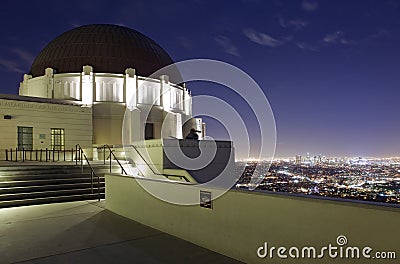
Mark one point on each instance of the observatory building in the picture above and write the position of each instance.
(86, 83)
(80, 85)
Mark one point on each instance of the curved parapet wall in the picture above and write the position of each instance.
(241, 222)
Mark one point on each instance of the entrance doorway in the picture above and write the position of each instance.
(149, 131)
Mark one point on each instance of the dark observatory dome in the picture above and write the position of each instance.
(108, 48)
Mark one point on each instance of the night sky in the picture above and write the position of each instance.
(330, 69)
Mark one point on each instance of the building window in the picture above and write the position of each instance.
(25, 138)
(66, 90)
(109, 91)
(57, 138)
(149, 93)
(177, 99)
(149, 131)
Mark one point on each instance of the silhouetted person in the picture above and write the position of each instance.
(192, 134)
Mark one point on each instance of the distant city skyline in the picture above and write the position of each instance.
(330, 69)
(374, 180)
(293, 157)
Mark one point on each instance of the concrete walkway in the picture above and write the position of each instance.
(85, 232)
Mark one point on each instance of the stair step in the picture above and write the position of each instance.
(40, 188)
(41, 172)
(43, 194)
(46, 200)
(44, 177)
(47, 182)
(37, 169)
(17, 167)
(27, 184)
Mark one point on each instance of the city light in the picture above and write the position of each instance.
(357, 178)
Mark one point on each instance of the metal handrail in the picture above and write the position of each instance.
(51, 155)
(82, 153)
(157, 173)
(112, 154)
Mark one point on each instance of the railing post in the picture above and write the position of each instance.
(46, 154)
(23, 154)
(98, 187)
(41, 152)
(6, 155)
(11, 154)
(92, 173)
(110, 159)
(104, 154)
(91, 180)
(64, 154)
(16, 154)
(81, 157)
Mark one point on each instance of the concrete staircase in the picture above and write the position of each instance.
(38, 184)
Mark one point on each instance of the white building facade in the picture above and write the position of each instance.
(81, 85)
(110, 94)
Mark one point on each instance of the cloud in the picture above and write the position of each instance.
(264, 39)
(309, 6)
(337, 37)
(380, 34)
(333, 37)
(24, 55)
(296, 24)
(306, 46)
(227, 45)
(19, 60)
(75, 23)
(10, 65)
